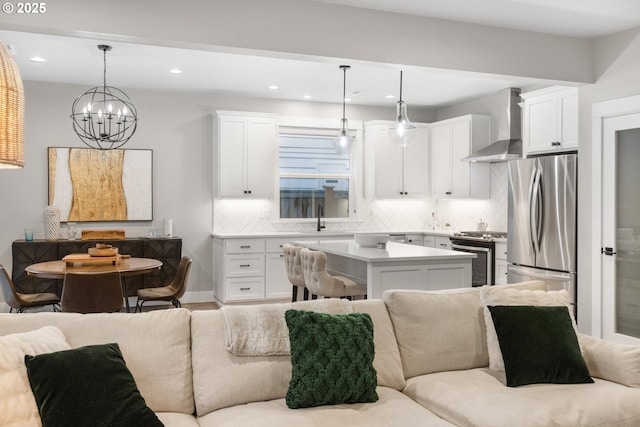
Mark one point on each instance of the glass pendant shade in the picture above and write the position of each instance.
(402, 132)
(343, 143)
(11, 113)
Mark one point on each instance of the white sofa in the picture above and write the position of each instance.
(431, 360)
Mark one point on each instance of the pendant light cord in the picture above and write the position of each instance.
(400, 85)
(344, 91)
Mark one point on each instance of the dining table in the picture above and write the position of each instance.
(125, 266)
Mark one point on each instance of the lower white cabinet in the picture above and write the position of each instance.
(249, 270)
(501, 263)
(442, 242)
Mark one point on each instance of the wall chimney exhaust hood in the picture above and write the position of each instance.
(509, 144)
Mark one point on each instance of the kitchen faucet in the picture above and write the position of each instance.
(320, 212)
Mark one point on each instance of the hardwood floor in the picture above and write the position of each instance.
(191, 306)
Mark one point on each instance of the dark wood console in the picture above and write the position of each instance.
(167, 250)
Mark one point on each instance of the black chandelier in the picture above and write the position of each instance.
(104, 116)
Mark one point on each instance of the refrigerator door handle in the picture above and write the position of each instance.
(540, 211)
(534, 207)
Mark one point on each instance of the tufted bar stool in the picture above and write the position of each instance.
(293, 264)
(321, 283)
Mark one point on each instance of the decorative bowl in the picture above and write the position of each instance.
(371, 240)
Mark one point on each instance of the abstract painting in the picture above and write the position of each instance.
(101, 185)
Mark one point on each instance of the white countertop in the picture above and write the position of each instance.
(322, 234)
(393, 252)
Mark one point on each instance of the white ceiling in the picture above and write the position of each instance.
(78, 60)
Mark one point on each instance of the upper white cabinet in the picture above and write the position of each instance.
(451, 141)
(550, 120)
(397, 172)
(245, 154)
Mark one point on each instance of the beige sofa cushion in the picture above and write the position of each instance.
(221, 379)
(155, 345)
(480, 398)
(18, 406)
(392, 409)
(438, 330)
(441, 330)
(611, 361)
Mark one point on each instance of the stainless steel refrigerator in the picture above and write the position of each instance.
(542, 221)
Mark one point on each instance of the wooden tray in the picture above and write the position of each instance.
(92, 260)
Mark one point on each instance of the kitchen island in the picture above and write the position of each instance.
(398, 266)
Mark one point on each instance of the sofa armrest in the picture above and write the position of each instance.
(611, 361)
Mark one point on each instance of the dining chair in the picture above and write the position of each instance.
(323, 284)
(19, 301)
(171, 292)
(92, 293)
(293, 264)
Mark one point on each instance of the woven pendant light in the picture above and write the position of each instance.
(11, 113)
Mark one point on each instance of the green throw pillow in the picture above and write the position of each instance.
(332, 359)
(88, 386)
(539, 345)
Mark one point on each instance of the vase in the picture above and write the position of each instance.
(51, 217)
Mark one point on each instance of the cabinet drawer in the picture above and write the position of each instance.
(251, 288)
(430, 241)
(275, 245)
(442, 242)
(244, 265)
(242, 246)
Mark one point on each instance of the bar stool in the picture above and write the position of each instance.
(293, 264)
(321, 283)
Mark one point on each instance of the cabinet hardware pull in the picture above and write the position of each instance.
(245, 246)
(607, 251)
(245, 265)
(245, 289)
(448, 193)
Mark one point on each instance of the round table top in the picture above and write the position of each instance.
(126, 267)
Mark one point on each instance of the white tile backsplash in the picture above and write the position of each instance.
(247, 216)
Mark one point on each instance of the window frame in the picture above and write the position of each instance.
(315, 127)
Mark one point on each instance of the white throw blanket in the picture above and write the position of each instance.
(261, 330)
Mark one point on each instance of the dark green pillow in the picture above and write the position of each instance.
(539, 345)
(332, 359)
(88, 386)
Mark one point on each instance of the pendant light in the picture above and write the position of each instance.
(104, 117)
(343, 143)
(402, 132)
(11, 113)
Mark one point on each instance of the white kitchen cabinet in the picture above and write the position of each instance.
(415, 239)
(239, 266)
(397, 172)
(451, 141)
(442, 242)
(245, 154)
(501, 263)
(277, 285)
(429, 241)
(550, 120)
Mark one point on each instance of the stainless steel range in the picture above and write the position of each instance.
(483, 244)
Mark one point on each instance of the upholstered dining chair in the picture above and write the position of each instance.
(92, 293)
(171, 292)
(321, 283)
(19, 301)
(293, 264)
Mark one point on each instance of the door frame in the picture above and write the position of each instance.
(600, 113)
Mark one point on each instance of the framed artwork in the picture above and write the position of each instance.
(101, 185)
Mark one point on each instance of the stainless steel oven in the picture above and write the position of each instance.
(483, 245)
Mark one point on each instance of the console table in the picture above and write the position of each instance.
(167, 250)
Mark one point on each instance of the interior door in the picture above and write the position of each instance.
(620, 253)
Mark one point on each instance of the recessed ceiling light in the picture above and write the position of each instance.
(347, 100)
(175, 71)
(274, 87)
(389, 96)
(307, 97)
(37, 59)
